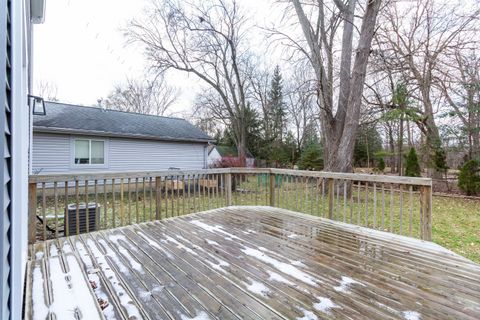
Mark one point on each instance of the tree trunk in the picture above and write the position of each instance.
(400, 146)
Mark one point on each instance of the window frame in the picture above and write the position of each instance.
(88, 165)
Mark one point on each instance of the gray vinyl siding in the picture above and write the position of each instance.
(53, 153)
(5, 147)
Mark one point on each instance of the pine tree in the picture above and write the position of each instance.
(412, 167)
(381, 165)
(311, 157)
(469, 177)
(277, 106)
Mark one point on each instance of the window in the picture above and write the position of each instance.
(89, 151)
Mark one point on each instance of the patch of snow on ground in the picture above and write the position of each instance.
(39, 255)
(155, 244)
(125, 299)
(180, 245)
(292, 236)
(325, 305)
(147, 295)
(115, 258)
(411, 315)
(258, 288)
(281, 266)
(200, 316)
(307, 315)
(218, 266)
(346, 283)
(212, 243)
(273, 276)
(214, 229)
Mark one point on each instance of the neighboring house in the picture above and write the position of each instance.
(15, 84)
(227, 154)
(71, 138)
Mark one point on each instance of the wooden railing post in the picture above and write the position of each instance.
(426, 213)
(32, 212)
(272, 190)
(158, 199)
(331, 195)
(228, 188)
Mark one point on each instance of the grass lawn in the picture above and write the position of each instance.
(456, 225)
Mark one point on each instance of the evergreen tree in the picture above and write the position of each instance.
(381, 165)
(412, 167)
(367, 144)
(276, 105)
(311, 157)
(469, 177)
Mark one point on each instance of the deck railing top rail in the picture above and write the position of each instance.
(82, 176)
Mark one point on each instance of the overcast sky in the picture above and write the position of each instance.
(81, 50)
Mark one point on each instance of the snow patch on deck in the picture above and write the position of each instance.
(346, 283)
(123, 251)
(202, 315)
(281, 266)
(70, 292)
(325, 305)
(213, 229)
(307, 315)
(155, 244)
(258, 288)
(411, 315)
(179, 245)
(273, 276)
(212, 243)
(125, 299)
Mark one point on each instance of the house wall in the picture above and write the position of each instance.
(214, 157)
(14, 124)
(53, 153)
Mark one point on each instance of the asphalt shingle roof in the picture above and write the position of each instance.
(62, 117)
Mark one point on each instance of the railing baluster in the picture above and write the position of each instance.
(44, 215)
(77, 204)
(391, 207)
(66, 216)
(55, 208)
(87, 211)
(95, 190)
(136, 201)
(345, 200)
(366, 204)
(359, 207)
(150, 184)
(105, 204)
(129, 199)
(114, 216)
(401, 209)
(410, 214)
(383, 206)
(374, 205)
(144, 200)
(122, 204)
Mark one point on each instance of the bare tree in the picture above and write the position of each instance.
(142, 96)
(320, 23)
(204, 39)
(416, 36)
(47, 90)
(460, 85)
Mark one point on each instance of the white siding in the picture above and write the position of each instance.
(52, 153)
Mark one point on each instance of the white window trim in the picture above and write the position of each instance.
(88, 165)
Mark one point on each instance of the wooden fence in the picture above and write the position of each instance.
(57, 203)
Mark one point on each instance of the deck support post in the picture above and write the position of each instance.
(331, 195)
(158, 190)
(32, 212)
(272, 189)
(228, 188)
(426, 213)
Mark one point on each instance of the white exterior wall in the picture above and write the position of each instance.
(53, 153)
(214, 157)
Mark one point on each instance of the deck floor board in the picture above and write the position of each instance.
(249, 263)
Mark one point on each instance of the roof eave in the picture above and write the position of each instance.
(116, 134)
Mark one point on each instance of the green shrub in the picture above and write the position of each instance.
(469, 177)
(412, 166)
(381, 165)
(311, 157)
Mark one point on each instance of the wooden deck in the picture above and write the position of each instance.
(249, 263)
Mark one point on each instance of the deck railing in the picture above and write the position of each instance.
(400, 205)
